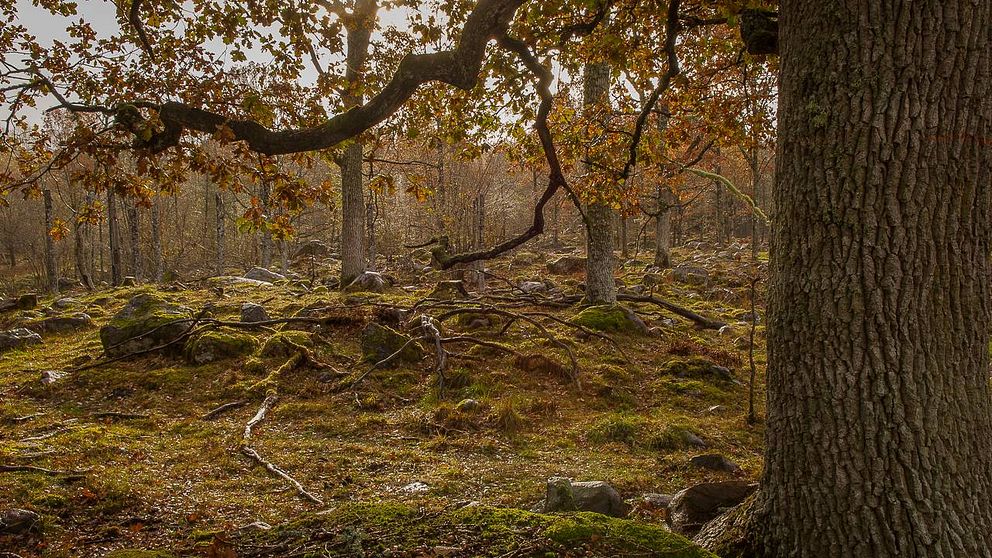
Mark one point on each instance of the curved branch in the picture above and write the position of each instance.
(459, 67)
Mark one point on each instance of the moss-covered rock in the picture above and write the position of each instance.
(379, 342)
(284, 343)
(372, 529)
(612, 318)
(146, 322)
(216, 345)
(698, 368)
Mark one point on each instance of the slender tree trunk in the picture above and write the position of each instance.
(879, 412)
(51, 265)
(220, 257)
(359, 30)
(600, 261)
(114, 236)
(264, 238)
(371, 211)
(479, 239)
(158, 271)
(663, 228)
(134, 233)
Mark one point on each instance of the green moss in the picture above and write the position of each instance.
(488, 531)
(217, 345)
(618, 427)
(609, 318)
(380, 342)
(697, 368)
(282, 344)
(674, 437)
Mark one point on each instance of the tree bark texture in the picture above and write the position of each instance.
(600, 286)
(879, 416)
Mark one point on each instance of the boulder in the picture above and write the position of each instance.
(16, 338)
(65, 303)
(129, 281)
(49, 377)
(449, 290)
(715, 462)
(251, 313)
(62, 324)
(368, 282)
(698, 368)
(691, 275)
(214, 345)
(593, 496)
(693, 507)
(612, 318)
(262, 274)
(67, 284)
(566, 265)
(379, 342)
(285, 343)
(468, 406)
(312, 249)
(533, 287)
(16, 521)
(145, 322)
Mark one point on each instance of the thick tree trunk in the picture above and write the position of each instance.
(600, 286)
(114, 236)
(51, 265)
(359, 30)
(879, 415)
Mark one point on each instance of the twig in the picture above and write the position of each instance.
(281, 474)
(42, 470)
(384, 361)
(224, 408)
(267, 404)
(117, 415)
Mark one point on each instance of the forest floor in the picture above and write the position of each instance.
(392, 459)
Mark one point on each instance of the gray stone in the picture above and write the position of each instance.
(693, 507)
(312, 249)
(262, 274)
(62, 324)
(715, 462)
(64, 303)
(368, 282)
(19, 337)
(593, 496)
(251, 313)
(16, 521)
(691, 275)
(566, 265)
(145, 322)
(533, 287)
(49, 377)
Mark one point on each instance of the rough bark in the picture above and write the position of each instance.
(221, 232)
(359, 28)
(879, 409)
(113, 234)
(134, 238)
(51, 266)
(600, 286)
(158, 269)
(663, 228)
(264, 238)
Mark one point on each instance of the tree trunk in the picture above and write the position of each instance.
(264, 237)
(114, 236)
(221, 227)
(600, 286)
(134, 233)
(159, 265)
(663, 228)
(879, 414)
(51, 266)
(371, 215)
(359, 31)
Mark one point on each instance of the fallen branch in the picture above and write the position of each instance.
(701, 321)
(267, 404)
(224, 408)
(42, 470)
(281, 474)
(121, 416)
